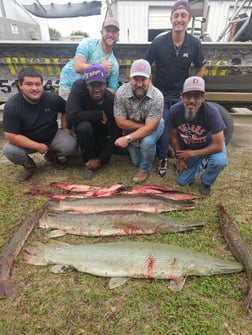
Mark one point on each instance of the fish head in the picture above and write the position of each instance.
(213, 267)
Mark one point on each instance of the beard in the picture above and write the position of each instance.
(140, 92)
(189, 114)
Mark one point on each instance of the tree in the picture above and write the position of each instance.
(79, 33)
(55, 35)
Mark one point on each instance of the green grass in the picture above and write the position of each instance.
(77, 303)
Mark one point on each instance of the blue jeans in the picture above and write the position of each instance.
(213, 163)
(143, 154)
(163, 142)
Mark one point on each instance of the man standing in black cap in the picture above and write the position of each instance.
(173, 54)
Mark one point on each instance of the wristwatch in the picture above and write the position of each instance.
(129, 139)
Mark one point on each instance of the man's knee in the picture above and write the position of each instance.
(84, 128)
(219, 161)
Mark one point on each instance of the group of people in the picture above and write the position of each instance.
(143, 116)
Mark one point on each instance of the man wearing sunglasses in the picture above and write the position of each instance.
(196, 130)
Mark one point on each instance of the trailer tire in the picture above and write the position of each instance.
(228, 120)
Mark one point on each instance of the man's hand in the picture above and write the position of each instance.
(106, 65)
(93, 164)
(42, 148)
(181, 165)
(184, 154)
(104, 118)
(121, 142)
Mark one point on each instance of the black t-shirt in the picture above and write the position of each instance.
(35, 121)
(173, 65)
(81, 107)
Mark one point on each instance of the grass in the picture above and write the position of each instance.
(77, 303)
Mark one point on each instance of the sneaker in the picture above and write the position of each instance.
(161, 170)
(26, 173)
(205, 190)
(140, 176)
(86, 173)
(51, 158)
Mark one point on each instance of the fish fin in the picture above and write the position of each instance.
(7, 287)
(177, 284)
(117, 281)
(61, 268)
(56, 233)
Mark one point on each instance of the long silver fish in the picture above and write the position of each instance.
(124, 260)
(113, 223)
(145, 203)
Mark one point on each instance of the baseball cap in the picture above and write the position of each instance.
(140, 67)
(95, 73)
(181, 4)
(111, 21)
(194, 84)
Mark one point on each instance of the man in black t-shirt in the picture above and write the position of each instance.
(89, 111)
(173, 55)
(30, 125)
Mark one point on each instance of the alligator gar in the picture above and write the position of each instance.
(238, 248)
(12, 249)
(123, 260)
(144, 203)
(114, 223)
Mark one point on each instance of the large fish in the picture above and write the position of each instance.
(146, 203)
(238, 248)
(12, 249)
(113, 223)
(123, 260)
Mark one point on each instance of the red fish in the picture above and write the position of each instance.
(75, 187)
(163, 191)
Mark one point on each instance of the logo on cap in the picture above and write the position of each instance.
(95, 73)
(140, 67)
(194, 84)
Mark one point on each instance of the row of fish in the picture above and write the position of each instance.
(108, 211)
(80, 191)
(123, 212)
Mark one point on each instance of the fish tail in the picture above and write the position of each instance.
(35, 254)
(7, 287)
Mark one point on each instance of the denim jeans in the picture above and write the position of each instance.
(213, 164)
(143, 154)
(163, 141)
